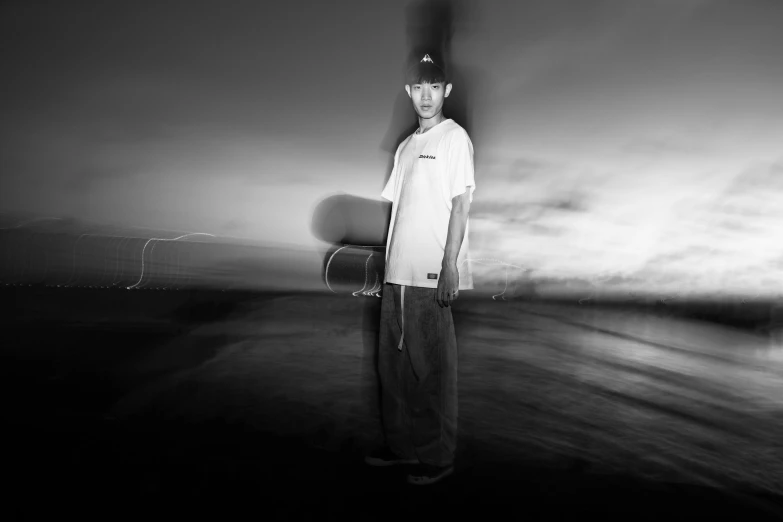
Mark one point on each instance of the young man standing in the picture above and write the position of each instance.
(431, 188)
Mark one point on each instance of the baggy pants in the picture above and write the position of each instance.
(417, 364)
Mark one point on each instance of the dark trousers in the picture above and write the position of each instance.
(418, 377)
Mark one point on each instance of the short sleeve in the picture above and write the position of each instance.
(460, 165)
(388, 191)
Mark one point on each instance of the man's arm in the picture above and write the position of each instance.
(448, 285)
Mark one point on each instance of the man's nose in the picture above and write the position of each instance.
(425, 93)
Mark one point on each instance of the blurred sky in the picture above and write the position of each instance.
(631, 142)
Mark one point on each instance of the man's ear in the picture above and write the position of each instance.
(448, 90)
(408, 90)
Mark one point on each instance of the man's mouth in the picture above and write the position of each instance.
(426, 107)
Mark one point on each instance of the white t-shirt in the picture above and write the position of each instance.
(429, 170)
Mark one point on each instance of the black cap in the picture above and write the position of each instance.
(426, 70)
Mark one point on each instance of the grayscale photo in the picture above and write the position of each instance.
(392, 259)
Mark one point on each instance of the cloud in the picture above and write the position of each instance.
(572, 203)
(506, 211)
(692, 253)
(530, 211)
(766, 178)
(736, 225)
(546, 230)
(621, 280)
(662, 146)
(523, 169)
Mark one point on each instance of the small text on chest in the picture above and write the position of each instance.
(426, 156)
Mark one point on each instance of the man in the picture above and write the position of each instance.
(431, 188)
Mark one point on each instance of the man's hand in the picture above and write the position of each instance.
(448, 285)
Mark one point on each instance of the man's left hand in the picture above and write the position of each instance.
(448, 285)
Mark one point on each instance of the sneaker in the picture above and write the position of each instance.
(427, 474)
(385, 457)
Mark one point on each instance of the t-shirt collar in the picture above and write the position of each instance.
(416, 132)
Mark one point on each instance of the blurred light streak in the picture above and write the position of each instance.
(374, 290)
(376, 286)
(141, 277)
(328, 264)
(496, 262)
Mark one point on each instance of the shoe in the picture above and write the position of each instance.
(427, 474)
(385, 457)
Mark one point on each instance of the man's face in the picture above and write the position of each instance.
(428, 98)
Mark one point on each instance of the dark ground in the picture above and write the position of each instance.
(64, 456)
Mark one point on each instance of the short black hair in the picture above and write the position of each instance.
(425, 72)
